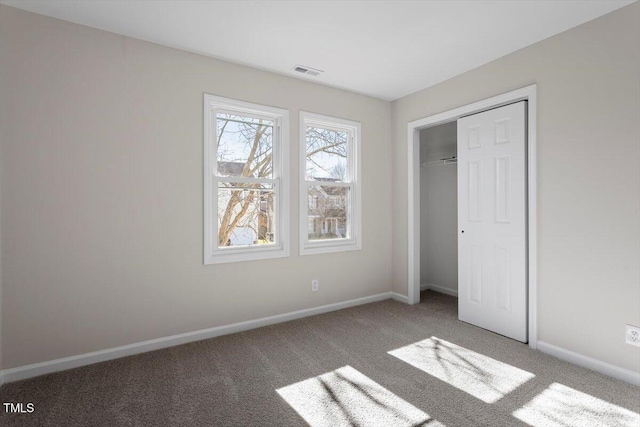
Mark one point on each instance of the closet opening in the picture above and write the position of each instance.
(439, 209)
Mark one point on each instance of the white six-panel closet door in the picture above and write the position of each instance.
(492, 268)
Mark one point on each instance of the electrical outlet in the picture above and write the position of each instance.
(633, 335)
(314, 285)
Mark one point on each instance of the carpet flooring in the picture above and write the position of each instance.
(383, 363)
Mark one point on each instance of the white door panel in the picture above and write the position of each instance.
(492, 269)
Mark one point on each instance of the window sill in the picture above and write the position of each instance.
(245, 254)
(324, 247)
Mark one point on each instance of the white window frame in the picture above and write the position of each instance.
(353, 180)
(280, 180)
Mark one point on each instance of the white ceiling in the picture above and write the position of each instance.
(386, 49)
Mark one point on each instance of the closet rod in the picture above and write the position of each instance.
(447, 161)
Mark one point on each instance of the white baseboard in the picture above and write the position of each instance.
(36, 369)
(593, 364)
(440, 289)
(399, 297)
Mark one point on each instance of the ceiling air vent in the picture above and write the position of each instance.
(307, 70)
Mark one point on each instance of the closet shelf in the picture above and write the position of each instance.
(447, 161)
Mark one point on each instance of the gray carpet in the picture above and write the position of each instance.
(384, 363)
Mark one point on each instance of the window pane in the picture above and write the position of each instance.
(327, 212)
(326, 154)
(246, 214)
(244, 147)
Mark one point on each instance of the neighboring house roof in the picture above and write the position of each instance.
(331, 191)
(230, 168)
(325, 193)
(315, 178)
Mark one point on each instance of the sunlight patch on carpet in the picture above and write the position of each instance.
(482, 377)
(560, 405)
(346, 397)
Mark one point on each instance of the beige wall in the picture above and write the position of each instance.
(588, 177)
(102, 193)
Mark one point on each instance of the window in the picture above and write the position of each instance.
(329, 184)
(245, 183)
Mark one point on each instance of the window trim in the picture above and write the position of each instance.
(212, 254)
(354, 242)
